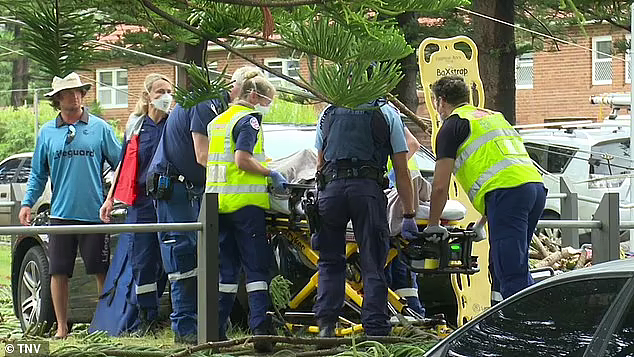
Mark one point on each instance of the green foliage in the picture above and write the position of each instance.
(220, 20)
(56, 35)
(349, 84)
(17, 128)
(284, 112)
(204, 86)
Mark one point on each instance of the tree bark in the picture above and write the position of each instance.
(190, 53)
(19, 76)
(405, 91)
(496, 54)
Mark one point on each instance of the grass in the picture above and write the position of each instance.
(284, 112)
(5, 264)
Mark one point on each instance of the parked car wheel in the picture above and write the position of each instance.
(34, 289)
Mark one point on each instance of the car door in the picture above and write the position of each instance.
(559, 320)
(8, 175)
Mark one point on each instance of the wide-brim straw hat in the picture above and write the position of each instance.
(69, 82)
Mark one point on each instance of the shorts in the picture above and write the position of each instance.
(62, 250)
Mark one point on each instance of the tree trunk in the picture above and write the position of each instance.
(190, 53)
(405, 91)
(496, 49)
(19, 76)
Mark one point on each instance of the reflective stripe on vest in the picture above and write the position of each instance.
(492, 157)
(412, 165)
(236, 188)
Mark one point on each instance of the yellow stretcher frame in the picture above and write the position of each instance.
(300, 240)
(473, 292)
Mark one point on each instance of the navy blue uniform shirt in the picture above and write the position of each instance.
(245, 132)
(176, 145)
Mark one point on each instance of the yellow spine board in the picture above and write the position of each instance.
(473, 293)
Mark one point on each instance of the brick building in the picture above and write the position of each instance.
(550, 84)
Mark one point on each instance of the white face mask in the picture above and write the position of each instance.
(163, 102)
(263, 109)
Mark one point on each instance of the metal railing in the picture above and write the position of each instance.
(605, 226)
(207, 246)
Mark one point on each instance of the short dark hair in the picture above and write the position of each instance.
(55, 98)
(452, 88)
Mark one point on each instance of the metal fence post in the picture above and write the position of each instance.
(208, 270)
(569, 210)
(605, 241)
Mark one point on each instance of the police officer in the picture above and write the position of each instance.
(353, 148)
(236, 170)
(142, 135)
(489, 160)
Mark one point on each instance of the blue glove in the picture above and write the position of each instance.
(435, 233)
(279, 182)
(409, 230)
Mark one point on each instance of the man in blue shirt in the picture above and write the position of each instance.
(353, 147)
(71, 150)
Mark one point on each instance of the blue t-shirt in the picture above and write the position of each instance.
(74, 165)
(176, 146)
(148, 141)
(394, 122)
(245, 132)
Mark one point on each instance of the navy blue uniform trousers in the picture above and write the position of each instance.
(178, 251)
(363, 202)
(512, 214)
(242, 243)
(145, 257)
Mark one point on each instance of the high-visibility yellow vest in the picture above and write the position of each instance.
(236, 188)
(412, 165)
(492, 157)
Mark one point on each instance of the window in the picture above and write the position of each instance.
(628, 77)
(553, 159)
(622, 341)
(602, 62)
(289, 67)
(557, 321)
(524, 71)
(607, 159)
(25, 171)
(112, 88)
(8, 170)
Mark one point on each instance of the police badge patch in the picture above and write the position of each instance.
(254, 123)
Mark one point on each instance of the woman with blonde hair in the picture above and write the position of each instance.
(236, 170)
(142, 135)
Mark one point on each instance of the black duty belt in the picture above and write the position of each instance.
(368, 172)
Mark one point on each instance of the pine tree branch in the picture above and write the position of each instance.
(542, 25)
(273, 3)
(420, 121)
(230, 49)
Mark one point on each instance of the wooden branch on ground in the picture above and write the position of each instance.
(337, 341)
(541, 249)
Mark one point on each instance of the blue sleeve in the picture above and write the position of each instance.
(245, 134)
(319, 138)
(110, 146)
(39, 172)
(202, 114)
(397, 131)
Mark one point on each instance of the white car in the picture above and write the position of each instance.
(593, 161)
(15, 170)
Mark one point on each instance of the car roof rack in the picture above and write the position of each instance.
(555, 125)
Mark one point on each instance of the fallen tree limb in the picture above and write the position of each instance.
(541, 249)
(338, 341)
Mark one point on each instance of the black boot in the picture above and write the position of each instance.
(264, 328)
(327, 330)
(148, 325)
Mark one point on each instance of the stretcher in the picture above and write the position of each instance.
(291, 222)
